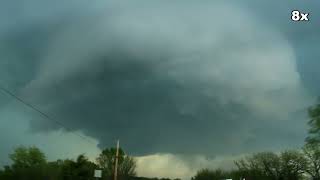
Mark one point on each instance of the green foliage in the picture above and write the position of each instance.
(106, 160)
(218, 174)
(82, 168)
(312, 154)
(293, 164)
(314, 123)
(29, 163)
(126, 164)
(265, 165)
(6, 173)
(289, 165)
(24, 157)
(206, 174)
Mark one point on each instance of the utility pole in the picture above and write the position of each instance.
(116, 163)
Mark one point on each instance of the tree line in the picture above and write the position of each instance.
(30, 163)
(297, 164)
(287, 165)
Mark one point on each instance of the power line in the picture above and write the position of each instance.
(6, 91)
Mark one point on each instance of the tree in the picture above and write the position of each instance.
(293, 165)
(217, 174)
(206, 174)
(128, 167)
(264, 165)
(54, 170)
(289, 165)
(82, 168)
(248, 169)
(24, 157)
(6, 173)
(126, 164)
(312, 153)
(28, 163)
(314, 123)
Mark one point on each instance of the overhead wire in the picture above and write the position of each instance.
(43, 114)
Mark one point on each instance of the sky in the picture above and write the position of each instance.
(183, 84)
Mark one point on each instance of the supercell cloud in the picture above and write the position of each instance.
(174, 82)
(163, 78)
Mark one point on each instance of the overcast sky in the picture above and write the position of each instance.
(182, 84)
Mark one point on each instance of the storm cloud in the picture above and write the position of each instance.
(166, 77)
